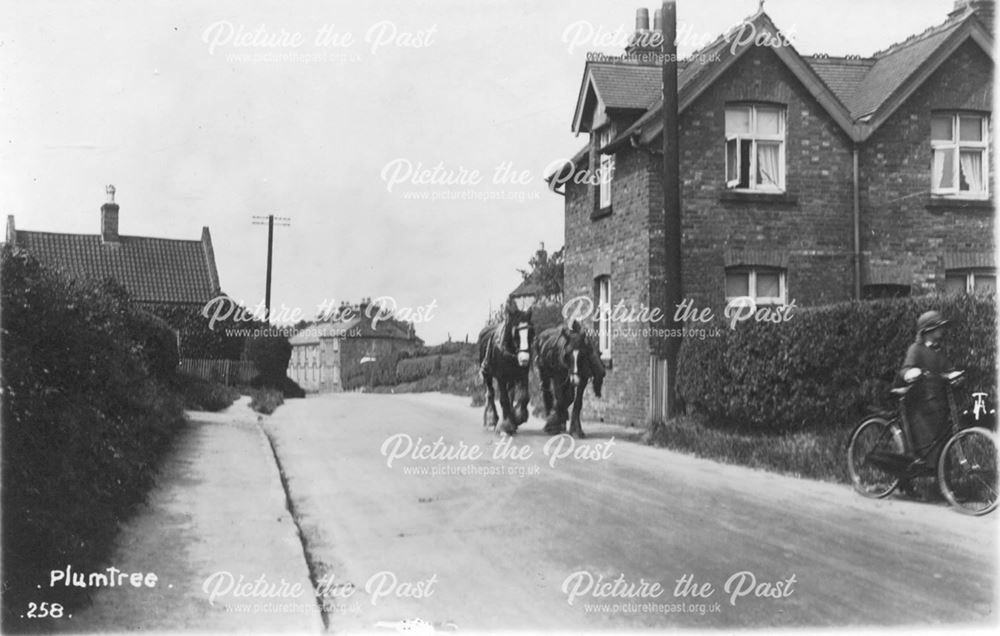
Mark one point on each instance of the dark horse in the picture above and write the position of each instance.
(505, 354)
(567, 359)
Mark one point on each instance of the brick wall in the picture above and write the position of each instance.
(900, 227)
(813, 226)
(620, 243)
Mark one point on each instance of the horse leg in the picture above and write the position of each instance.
(546, 394)
(490, 412)
(555, 423)
(574, 427)
(506, 424)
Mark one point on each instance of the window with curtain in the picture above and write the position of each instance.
(766, 285)
(970, 281)
(602, 286)
(607, 169)
(755, 147)
(959, 155)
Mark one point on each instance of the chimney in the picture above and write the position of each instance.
(645, 40)
(983, 9)
(641, 20)
(109, 218)
(11, 231)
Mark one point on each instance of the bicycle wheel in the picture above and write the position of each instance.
(872, 440)
(967, 471)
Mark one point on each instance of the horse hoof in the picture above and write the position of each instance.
(506, 428)
(578, 434)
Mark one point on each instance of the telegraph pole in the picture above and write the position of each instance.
(671, 199)
(259, 220)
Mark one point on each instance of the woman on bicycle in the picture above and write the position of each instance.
(927, 400)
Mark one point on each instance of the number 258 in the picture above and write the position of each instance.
(43, 610)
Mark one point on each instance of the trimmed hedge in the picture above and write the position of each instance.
(86, 418)
(825, 365)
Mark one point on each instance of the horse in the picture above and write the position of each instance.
(566, 359)
(505, 355)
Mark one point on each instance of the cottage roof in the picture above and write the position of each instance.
(152, 270)
(858, 93)
(358, 326)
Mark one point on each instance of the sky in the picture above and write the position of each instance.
(407, 140)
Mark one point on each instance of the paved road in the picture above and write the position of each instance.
(528, 551)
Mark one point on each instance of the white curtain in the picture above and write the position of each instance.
(943, 171)
(972, 169)
(767, 164)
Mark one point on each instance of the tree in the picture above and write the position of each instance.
(546, 270)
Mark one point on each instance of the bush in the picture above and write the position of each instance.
(825, 365)
(85, 419)
(266, 400)
(414, 369)
(381, 372)
(270, 354)
(204, 395)
(456, 364)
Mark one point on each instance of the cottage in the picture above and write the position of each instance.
(804, 179)
(154, 271)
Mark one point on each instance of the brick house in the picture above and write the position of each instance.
(327, 352)
(805, 179)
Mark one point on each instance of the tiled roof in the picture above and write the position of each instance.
(895, 65)
(862, 86)
(843, 75)
(626, 85)
(151, 269)
(355, 327)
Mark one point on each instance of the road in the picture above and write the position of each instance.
(600, 539)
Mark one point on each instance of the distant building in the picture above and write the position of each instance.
(327, 352)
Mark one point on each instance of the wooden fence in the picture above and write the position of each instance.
(228, 372)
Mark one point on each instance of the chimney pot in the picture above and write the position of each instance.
(642, 19)
(658, 20)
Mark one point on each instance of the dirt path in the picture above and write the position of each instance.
(218, 510)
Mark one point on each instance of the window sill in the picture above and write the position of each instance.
(600, 214)
(944, 202)
(749, 196)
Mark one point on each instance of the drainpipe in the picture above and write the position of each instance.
(857, 228)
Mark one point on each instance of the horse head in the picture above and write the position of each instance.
(583, 358)
(519, 334)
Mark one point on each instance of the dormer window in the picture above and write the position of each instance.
(755, 147)
(959, 148)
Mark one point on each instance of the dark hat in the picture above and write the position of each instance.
(929, 321)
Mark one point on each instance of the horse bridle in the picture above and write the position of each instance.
(521, 333)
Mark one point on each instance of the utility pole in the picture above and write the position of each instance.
(260, 220)
(671, 200)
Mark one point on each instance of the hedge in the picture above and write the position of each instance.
(413, 369)
(825, 366)
(86, 417)
(381, 372)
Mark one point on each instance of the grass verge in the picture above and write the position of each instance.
(811, 454)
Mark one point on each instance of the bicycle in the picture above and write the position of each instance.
(878, 456)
